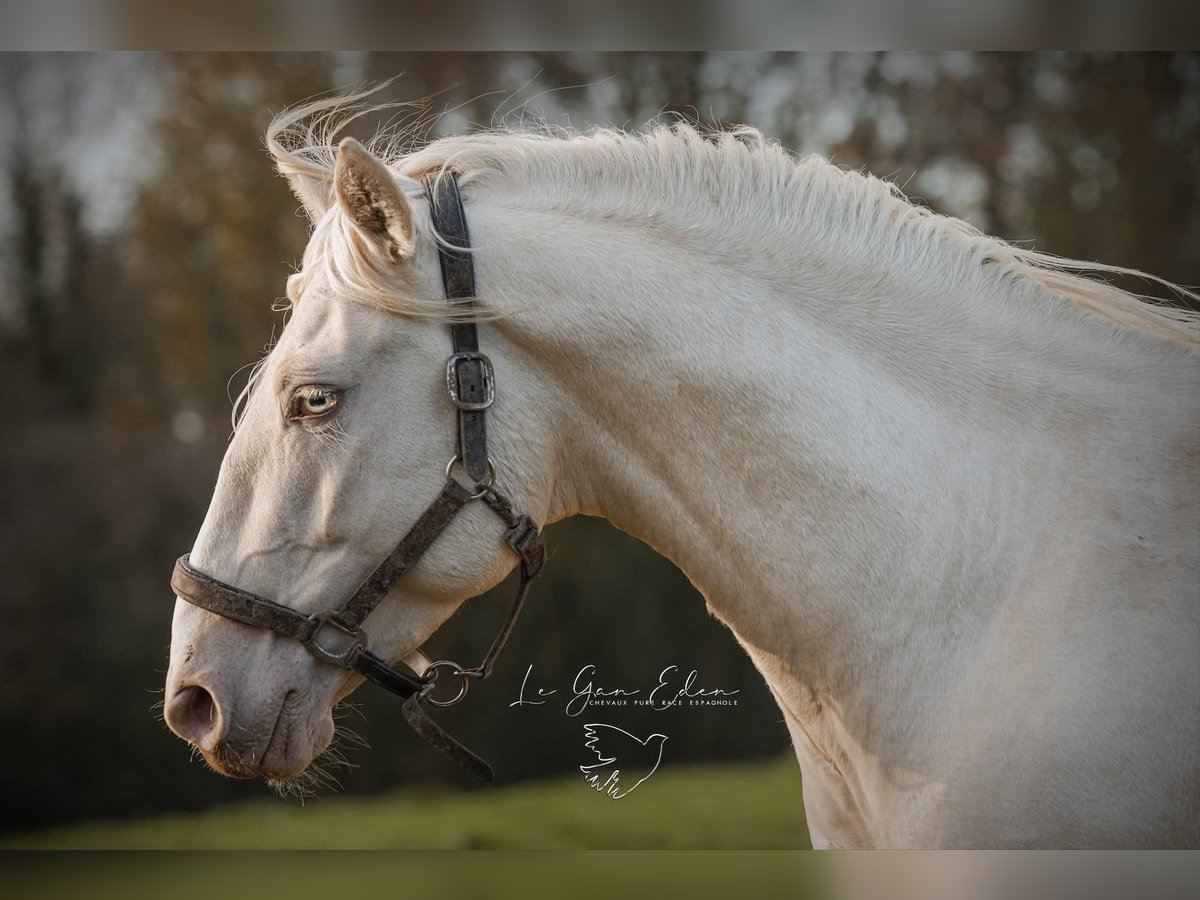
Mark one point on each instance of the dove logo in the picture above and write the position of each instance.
(623, 761)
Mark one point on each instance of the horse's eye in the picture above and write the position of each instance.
(313, 402)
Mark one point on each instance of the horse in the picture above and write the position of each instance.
(942, 489)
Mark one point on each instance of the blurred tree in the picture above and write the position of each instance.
(49, 253)
(215, 234)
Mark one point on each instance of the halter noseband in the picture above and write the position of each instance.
(337, 637)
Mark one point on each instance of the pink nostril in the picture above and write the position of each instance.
(192, 713)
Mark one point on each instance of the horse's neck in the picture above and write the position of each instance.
(853, 476)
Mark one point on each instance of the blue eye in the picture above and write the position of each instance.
(314, 402)
(318, 403)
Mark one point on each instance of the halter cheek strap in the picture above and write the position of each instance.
(470, 379)
(337, 637)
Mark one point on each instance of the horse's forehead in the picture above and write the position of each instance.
(323, 320)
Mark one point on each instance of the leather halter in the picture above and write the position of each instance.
(337, 637)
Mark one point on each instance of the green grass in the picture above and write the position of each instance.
(748, 805)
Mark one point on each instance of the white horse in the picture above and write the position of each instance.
(943, 490)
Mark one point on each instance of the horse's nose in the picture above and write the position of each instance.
(193, 714)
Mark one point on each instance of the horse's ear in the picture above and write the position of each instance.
(371, 198)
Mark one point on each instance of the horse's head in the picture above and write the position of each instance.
(342, 444)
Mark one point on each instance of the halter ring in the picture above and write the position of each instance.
(482, 487)
(432, 674)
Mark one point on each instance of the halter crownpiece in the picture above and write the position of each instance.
(337, 637)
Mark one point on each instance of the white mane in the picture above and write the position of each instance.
(741, 195)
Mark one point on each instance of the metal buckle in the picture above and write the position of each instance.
(489, 381)
(338, 658)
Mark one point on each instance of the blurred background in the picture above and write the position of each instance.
(146, 240)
